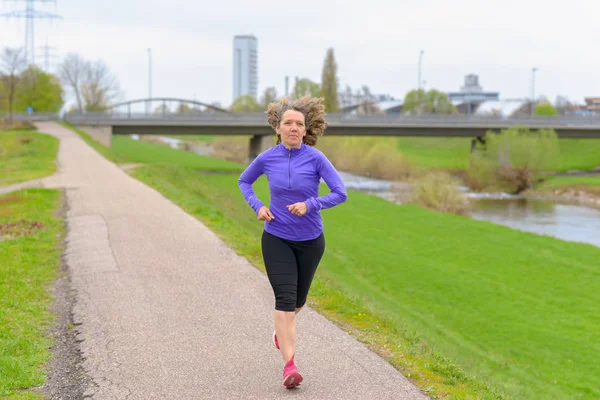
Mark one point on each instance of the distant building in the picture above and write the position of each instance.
(245, 66)
(373, 104)
(471, 95)
(504, 108)
(592, 104)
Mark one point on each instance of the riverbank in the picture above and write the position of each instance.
(410, 284)
(417, 156)
(580, 190)
(540, 213)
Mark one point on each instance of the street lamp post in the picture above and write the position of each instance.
(419, 83)
(149, 77)
(420, 60)
(533, 90)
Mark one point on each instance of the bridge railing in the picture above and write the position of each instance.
(346, 119)
(334, 118)
(33, 116)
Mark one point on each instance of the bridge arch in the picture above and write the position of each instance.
(164, 100)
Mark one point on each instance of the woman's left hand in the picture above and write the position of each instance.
(298, 209)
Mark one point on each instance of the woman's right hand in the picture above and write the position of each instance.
(264, 214)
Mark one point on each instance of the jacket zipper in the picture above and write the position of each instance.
(289, 172)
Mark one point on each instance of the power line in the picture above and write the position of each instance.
(31, 14)
(48, 55)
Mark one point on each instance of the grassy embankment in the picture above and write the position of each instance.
(438, 295)
(26, 155)
(454, 153)
(125, 150)
(590, 184)
(30, 235)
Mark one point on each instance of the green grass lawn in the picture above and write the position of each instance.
(581, 154)
(26, 155)
(522, 320)
(431, 152)
(454, 153)
(29, 261)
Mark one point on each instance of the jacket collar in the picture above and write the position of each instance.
(294, 151)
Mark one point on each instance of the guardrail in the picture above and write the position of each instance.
(33, 117)
(343, 119)
(260, 119)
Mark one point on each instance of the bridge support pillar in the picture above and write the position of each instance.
(101, 134)
(479, 139)
(258, 144)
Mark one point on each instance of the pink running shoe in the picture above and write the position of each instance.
(275, 341)
(291, 376)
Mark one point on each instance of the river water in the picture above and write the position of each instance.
(545, 217)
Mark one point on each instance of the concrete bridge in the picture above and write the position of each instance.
(103, 126)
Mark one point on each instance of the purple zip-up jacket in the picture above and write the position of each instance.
(293, 176)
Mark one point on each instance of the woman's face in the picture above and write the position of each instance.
(292, 129)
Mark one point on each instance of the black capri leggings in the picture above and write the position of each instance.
(291, 266)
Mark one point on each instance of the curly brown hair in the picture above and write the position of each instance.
(314, 116)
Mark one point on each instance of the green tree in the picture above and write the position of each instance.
(40, 91)
(432, 101)
(329, 83)
(245, 103)
(413, 101)
(183, 109)
(438, 103)
(269, 96)
(3, 99)
(305, 87)
(515, 158)
(545, 109)
(12, 63)
(163, 109)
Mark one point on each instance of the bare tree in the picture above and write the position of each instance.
(72, 72)
(367, 101)
(346, 97)
(100, 87)
(12, 63)
(92, 83)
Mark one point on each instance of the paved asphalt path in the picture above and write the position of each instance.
(165, 310)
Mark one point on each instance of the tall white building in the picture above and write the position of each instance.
(245, 66)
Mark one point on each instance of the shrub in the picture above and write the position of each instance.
(376, 157)
(514, 159)
(439, 191)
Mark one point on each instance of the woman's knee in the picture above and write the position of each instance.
(285, 302)
(300, 303)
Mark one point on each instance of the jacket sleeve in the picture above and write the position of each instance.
(338, 194)
(247, 178)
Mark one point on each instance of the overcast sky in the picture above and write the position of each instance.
(376, 43)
